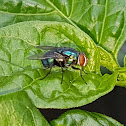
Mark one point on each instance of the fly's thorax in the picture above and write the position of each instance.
(82, 59)
(70, 57)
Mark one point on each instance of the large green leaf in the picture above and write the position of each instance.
(16, 109)
(103, 20)
(18, 73)
(84, 118)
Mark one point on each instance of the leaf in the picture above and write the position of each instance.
(20, 74)
(16, 109)
(84, 118)
(121, 77)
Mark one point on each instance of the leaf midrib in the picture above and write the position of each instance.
(60, 12)
(103, 22)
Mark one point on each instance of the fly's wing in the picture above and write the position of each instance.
(47, 47)
(38, 56)
(48, 55)
(56, 48)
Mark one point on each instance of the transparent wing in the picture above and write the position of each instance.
(36, 56)
(40, 56)
(47, 47)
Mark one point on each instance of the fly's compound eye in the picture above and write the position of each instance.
(82, 60)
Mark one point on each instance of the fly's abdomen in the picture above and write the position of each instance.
(47, 62)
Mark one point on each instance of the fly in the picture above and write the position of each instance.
(62, 57)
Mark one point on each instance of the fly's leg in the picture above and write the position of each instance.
(80, 72)
(47, 73)
(75, 68)
(82, 76)
(62, 75)
(62, 72)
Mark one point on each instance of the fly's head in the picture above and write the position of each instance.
(82, 59)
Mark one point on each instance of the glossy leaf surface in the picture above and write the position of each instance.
(17, 43)
(84, 118)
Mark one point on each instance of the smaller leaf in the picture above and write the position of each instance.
(84, 118)
(121, 77)
(107, 60)
(16, 109)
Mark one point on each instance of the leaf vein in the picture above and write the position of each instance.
(84, 13)
(30, 43)
(11, 63)
(103, 21)
(69, 20)
(71, 9)
(114, 50)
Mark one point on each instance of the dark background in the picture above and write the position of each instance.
(113, 104)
